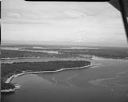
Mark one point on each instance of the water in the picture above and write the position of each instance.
(105, 82)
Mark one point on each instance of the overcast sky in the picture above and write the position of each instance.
(62, 23)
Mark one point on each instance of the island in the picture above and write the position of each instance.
(12, 70)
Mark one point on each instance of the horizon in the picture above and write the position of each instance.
(56, 44)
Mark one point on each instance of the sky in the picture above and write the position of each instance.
(82, 23)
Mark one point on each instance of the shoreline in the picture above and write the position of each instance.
(38, 72)
(7, 60)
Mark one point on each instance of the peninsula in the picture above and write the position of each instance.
(9, 71)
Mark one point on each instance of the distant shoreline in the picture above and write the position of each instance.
(13, 60)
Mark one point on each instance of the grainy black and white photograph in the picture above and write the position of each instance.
(53, 51)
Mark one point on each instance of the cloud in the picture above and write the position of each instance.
(21, 11)
(61, 22)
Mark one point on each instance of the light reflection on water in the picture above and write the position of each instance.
(105, 83)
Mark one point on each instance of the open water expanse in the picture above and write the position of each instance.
(106, 81)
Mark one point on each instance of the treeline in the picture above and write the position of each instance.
(107, 53)
(8, 69)
(67, 53)
(16, 53)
